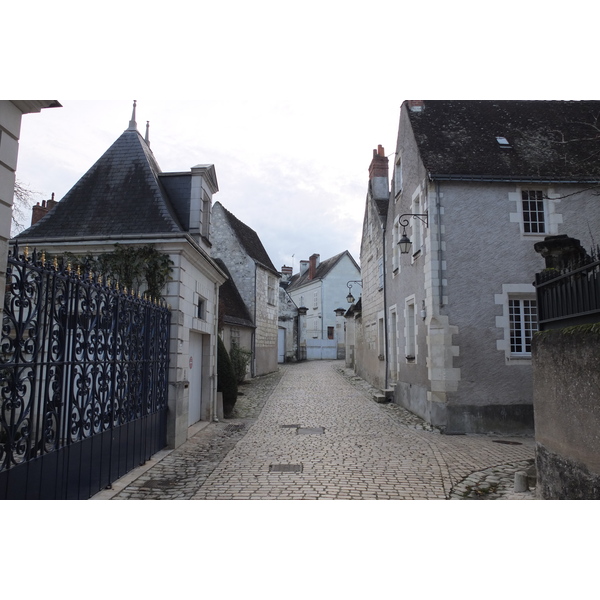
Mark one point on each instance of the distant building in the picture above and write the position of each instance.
(256, 280)
(321, 288)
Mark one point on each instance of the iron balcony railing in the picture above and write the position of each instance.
(568, 298)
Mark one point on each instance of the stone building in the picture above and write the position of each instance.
(11, 113)
(288, 342)
(475, 185)
(321, 288)
(370, 323)
(125, 198)
(256, 280)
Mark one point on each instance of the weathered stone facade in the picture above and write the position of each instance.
(371, 349)
(460, 305)
(256, 279)
(567, 413)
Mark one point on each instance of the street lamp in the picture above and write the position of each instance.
(350, 297)
(404, 242)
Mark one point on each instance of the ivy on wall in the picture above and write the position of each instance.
(137, 268)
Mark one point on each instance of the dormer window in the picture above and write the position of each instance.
(503, 142)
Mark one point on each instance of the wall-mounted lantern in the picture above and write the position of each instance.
(350, 298)
(404, 241)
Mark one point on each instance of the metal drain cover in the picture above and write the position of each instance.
(310, 430)
(235, 427)
(285, 468)
(507, 442)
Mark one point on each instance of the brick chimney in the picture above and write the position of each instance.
(379, 164)
(416, 105)
(40, 210)
(313, 263)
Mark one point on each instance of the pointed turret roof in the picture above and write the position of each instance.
(121, 194)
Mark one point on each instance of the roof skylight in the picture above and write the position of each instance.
(503, 142)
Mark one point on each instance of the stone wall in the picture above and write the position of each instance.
(566, 402)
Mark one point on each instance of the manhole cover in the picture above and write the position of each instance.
(285, 468)
(310, 430)
(290, 426)
(163, 484)
(507, 442)
(236, 427)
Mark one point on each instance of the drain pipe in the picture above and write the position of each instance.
(213, 375)
(385, 313)
(439, 239)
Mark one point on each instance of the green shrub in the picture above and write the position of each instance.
(239, 359)
(226, 379)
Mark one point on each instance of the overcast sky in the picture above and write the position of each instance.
(288, 101)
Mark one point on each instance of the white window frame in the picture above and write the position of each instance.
(393, 343)
(271, 290)
(417, 223)
(395, 246)
(510, 292)
(381, 335)
(410, 330)
(541, 197)
(397, 178)
(523, 328)
(315, 299)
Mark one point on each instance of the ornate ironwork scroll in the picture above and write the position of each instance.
(77, 358)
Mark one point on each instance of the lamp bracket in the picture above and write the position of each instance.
(423, 217)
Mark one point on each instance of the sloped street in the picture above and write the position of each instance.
(313, 431)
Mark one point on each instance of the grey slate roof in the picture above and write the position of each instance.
(550, 140)
(300, 279)
(235, 310)
(121, 194)
(249, 240)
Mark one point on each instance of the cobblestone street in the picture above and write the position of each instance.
(313, 431)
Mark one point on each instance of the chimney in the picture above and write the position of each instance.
(286, 273)
(416, 105)
(379, 164)
(39, 211)
(313, 264)
(303, 266)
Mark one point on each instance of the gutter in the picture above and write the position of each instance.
(508, 179)
(438, 207)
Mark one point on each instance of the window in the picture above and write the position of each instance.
(381, 338)
(381, 274)
(523, 324)
(395, 247)
(417, 226)
(330, 333)
(205, 217)
(235, 337)
(534, 220)
(271, 290)
(398, 177)
(411, 331)
(201, 308)
(315, 300)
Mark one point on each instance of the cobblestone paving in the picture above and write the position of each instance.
(273, 448)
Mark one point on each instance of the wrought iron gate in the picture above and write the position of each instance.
(83, 381)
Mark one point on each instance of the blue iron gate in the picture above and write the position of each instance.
(83, 381)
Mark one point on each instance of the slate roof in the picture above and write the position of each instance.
(120, 194)
(550, 140)
(236, 311)
(249, 240)
(300, 279)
